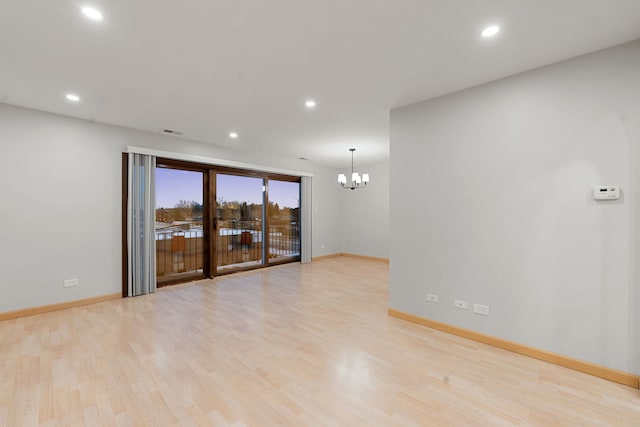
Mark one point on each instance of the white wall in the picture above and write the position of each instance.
(504, 215)
(61, 203)
(364, 214)
(325, 214)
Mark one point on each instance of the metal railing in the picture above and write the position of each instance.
(178, 251)
(239, 243)
(284, 240)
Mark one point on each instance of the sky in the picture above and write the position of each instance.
(285, 194)
(173, 185)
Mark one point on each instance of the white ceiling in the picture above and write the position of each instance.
(206, 67)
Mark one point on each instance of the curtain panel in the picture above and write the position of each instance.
(141, 242)
(305, 213)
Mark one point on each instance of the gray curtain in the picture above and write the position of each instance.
(141, 241)
(305, 208)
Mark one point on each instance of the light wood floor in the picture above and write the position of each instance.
(292, 345)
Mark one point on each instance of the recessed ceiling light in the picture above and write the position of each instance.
(233, 135)
(490, 31)
(310, 103)
(72, 97)
(92, 13)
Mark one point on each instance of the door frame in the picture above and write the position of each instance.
(209, 215)
(265, 176)
(206, 220)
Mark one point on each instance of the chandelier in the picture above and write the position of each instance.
(357, 181)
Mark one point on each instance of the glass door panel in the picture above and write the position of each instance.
(179, 224)
(283, 220)
(239, 213)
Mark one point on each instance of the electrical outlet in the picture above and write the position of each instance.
(70, 282)
(460, 304)
(432, 298)
(481, 309)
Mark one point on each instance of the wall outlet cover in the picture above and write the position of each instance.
(70, 282)
(432, 298)
(460, 304)
(481, 309)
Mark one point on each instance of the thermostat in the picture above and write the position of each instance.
(606, 192)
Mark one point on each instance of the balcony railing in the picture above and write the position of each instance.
(284, 241)
(179, 249)
(240, 243)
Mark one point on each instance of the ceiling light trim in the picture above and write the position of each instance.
(92, 13)
(490, 31)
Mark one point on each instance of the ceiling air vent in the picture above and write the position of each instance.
(172, 132)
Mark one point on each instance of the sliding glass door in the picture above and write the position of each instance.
(214, 220)
(239, 218)
(179, 226)
(283, 220)
(247, 234)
